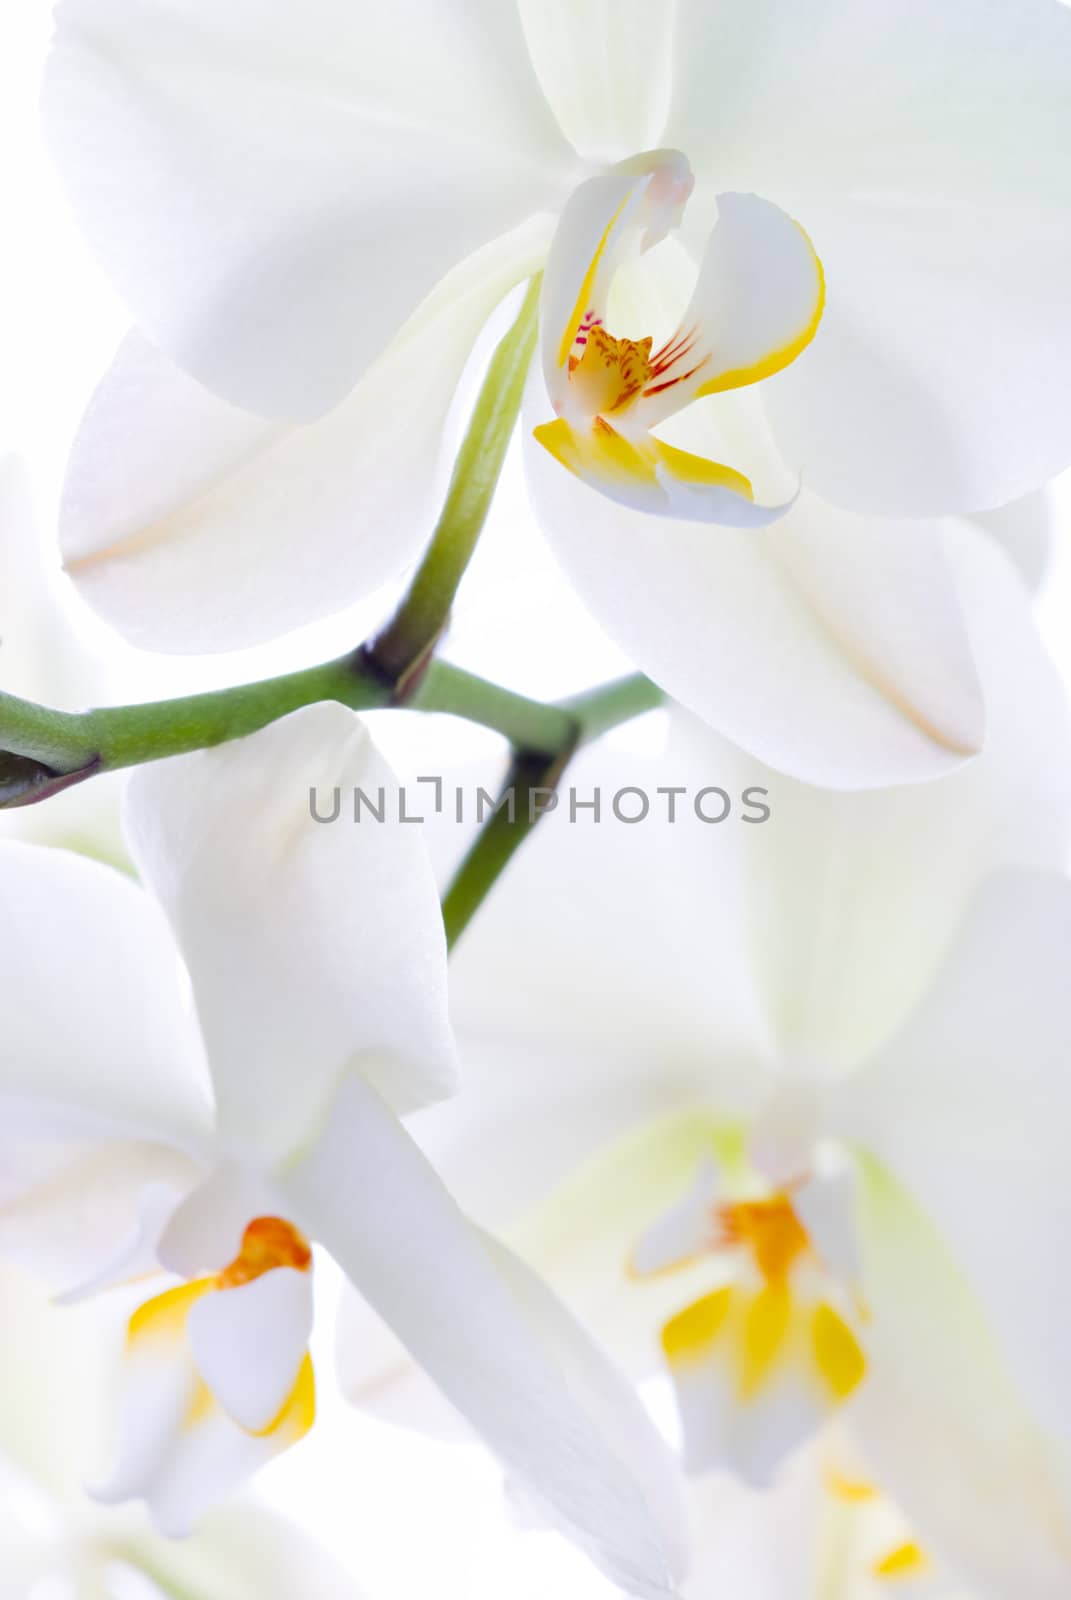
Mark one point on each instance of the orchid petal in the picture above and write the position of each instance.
(204, 1234)
(756, 1374)
(314, 947)
(177, 1449)
(920, 147)
(249, 1344)
(121, 1056)
(429, 1275)
(941, 1418)
(275, 191)
(757, 304)
(606, 68)
(644, 1036)
(758, 1544)
(864, 676)
(193, 526)
(840, 930)
(606, 1396)
(687, 1230)
(969, 1105)
(654, 477)
(1025, 529)
(604, 219)
(245, 1552)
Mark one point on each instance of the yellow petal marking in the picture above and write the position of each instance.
(267, 1243)
(164, 1316)
(601, 452)
(689, 1335)
(587, 288)
(605, 453)
(699, 470)
(766, 1326)
(299, 1413)
(907, 1560)
(837, 1354)
(777, 360)
(856, 1491)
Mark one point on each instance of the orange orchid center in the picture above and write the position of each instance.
(268, 1242)
(770, 1229)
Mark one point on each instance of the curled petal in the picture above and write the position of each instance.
(757, 305)
(249, 1344)
(177, 1449)
(649, 475)
(634, 203)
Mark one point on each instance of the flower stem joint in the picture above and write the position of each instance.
(24, 780)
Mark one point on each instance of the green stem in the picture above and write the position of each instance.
(42, 751)
(408, 639)
(532, 778)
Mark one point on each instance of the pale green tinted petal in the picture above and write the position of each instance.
(942, 1418)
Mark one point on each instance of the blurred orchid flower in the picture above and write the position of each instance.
(798, 1094)
(56, 1541)
(823, 1530)
(312, 212)
(219, 1142)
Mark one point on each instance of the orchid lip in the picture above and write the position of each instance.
(757, 304)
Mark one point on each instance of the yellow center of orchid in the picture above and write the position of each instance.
(777, 1323)
(611, 372)
(770, 1230)
(758, 299)
(159, 1331)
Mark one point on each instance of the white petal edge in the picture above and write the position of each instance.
(941, 1418)
(367, 1194)
(315, 947)
(249, 1342)
(936, 384)
(121, 1049)
(969, 1106)
(864, 675)
(275, 193)
(192, 526)
(840, 930)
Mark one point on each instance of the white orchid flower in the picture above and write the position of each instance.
(313, 209)
(800, 1093)
(54, 1540)
(222, 1142)
(825, 1531)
